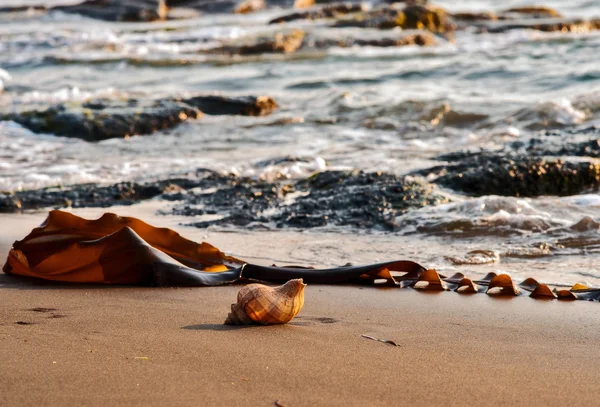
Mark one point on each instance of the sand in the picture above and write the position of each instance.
(140, 346)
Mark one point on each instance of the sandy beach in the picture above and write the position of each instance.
(462, 136)
(90, 345)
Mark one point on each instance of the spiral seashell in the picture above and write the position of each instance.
(263, 305)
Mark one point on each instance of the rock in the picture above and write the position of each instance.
(561, 143)
(249, 6)
(568, 25)
(117, 10)
(434, 19)
(470, 17)
(329, 11)
(282, 43)
(420, 39)
(519, 175)
(20, 9)
(303, 3)
(86, 195)
(534, 12)
(244, 106)
(104, 119)
(351, 198)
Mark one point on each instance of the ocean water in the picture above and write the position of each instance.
(362, 108)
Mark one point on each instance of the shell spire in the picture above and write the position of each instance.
(263, 305)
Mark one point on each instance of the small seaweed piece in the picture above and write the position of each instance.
(381, 340)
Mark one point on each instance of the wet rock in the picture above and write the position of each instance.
(420, 39)
(87, 195)
(534, 12)
(519, 175)
(282, 43)
(243, 106)
(249, 6)
(434, 19)
(329, 11)
(105, 119)
(471, 17)
(20, 9)
(569, 25)
(353, 198)
(362, 200)
(118, 10)
(581, 142)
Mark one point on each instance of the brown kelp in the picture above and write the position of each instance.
(124, 250)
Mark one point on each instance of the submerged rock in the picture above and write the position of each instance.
(282, 43)
(519, 175)
(119, 10)
(475, 16)
(104, 119)
(434, 19)
(546, 25)
(420, 39)
(328, 11)
(582, 142)
(291, 42)
(242, 106)
(534, 12)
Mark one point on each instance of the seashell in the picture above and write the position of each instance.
(263, 305)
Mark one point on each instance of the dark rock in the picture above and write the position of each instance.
(479, 16)
(328, 11)
(104, 119)
(86, 195)
(520, 175)
(534, 12)
(118, 10)
(551, 25)
(282, 43)
(583, 142)
(353, 198)
(358, 199)
(20, 9)
(244, 106)
(434, 19)
(420, 39)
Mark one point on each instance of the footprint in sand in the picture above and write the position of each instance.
(48, 310)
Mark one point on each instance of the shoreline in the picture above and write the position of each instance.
(150, 346)
(331, 248)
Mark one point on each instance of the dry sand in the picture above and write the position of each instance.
(141, 346)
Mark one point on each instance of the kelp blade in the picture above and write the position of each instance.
(117, 250)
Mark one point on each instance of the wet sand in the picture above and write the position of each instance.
(140, 346)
